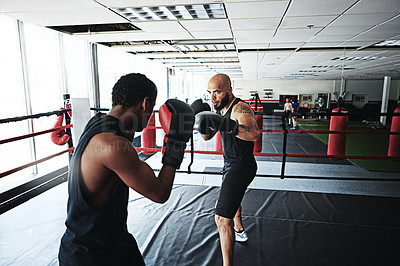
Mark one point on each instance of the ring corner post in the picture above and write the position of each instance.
(67, 115)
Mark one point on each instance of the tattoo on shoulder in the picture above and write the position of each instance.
(243, 109)
(245, 127)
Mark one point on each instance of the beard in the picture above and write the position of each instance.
(223, 103)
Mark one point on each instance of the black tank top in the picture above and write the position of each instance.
(94, 236)
(237, 152)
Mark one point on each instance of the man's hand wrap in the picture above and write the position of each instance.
(177, 119)
(207, 123)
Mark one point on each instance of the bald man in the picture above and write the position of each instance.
(235, 120)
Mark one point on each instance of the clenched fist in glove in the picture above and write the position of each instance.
(208, 123)
(177, 119)
(200, 106)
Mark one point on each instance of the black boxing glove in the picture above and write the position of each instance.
(177, 119)
(207, 123)
(200, 106)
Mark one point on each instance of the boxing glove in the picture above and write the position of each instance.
(176, 119)
(207, 123)
(198, 106)
(59, 137)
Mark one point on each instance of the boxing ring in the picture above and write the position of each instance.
(317, 211)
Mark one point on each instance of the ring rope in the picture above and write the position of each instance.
(34, 134)
(321, 156)
(11, 171)
(332, 132)
(318, 131)
(21, 118)
(296, 177)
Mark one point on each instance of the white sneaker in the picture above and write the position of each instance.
(241, 237)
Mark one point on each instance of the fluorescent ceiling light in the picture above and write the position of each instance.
(183, 12)
(357, 58)
(389, 43)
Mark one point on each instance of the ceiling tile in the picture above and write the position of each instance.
(253, 36)
(395, 29)
(373, 7)
(142, 3)
(394, 21)
(303, 22)
(206, 25)
(159, 26)
(349, 30)
(305, 54)
(357, 43)
(46, 5)
(144, 48)
(375, 36)
(293, 45)
(294, 35)
(220, 34)
(391, 53)
(265, 9)
(246, 46)
(318, 7)
(236, 1)
(332, 38)
(320, 44)
(255, 24)
(362, 20)
(97, 15)
(137, 36)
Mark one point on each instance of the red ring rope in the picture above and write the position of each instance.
(318, 131)
(33, 163)
(34, 134)
(290, 155)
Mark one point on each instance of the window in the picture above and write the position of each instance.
(12, 103)
(78, 77)
(45, 83)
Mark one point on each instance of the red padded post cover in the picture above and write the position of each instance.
(337, 142)
(165, 116)
(149, 136)
(394, 140)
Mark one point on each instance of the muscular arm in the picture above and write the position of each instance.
(248, 129)
(121, 158)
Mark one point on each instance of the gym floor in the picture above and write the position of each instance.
(293, 221)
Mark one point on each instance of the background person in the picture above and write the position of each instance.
(287, 108)
(295, 107)
(239, 130)
(105, 164)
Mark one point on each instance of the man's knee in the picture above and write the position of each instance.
(222, 221)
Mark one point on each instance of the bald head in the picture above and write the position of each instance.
(220, 90)
(221, 81)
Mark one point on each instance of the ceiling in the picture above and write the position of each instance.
(273, 39)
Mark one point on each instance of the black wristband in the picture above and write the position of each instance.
(174, 152)
(229, 126)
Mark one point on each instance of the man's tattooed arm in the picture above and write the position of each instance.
(245, 127)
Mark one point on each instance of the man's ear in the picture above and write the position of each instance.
(146, 105)
(230, 90)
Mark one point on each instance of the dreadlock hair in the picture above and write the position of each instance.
(132, 88)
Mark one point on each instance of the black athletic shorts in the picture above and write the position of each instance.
(131, 256)
(234, 184)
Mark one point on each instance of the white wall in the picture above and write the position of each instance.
(291, 87)
(373, 88)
